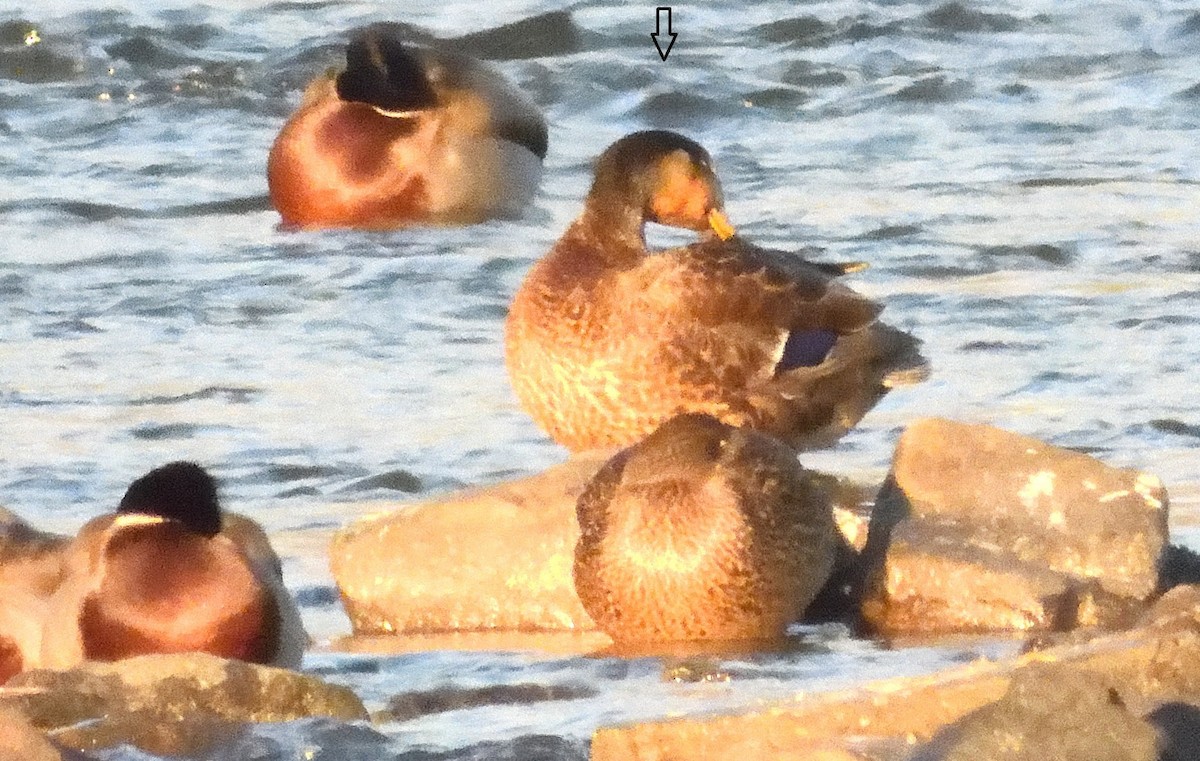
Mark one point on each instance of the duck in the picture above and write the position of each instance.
(406, 134)
(702, 531)
(169, 572)
(605, 339)
(31, 568)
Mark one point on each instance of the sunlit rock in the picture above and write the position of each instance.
(978, 529)
(1152, 670)
(170, 704)
(499, 557)
(1063, 711)
(21, 741)
(1049, 711)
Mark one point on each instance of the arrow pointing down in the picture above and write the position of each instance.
(658, 30)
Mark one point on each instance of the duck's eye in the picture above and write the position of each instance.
(715, 448)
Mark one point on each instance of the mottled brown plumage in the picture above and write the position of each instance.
(606, 340)
(702, 531)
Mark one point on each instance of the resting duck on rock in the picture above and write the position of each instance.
(605, 340)
(167, 573)
(702, 531)
(406, 134)
(31, 565)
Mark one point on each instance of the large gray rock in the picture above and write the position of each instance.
(170, 704)
(939, 578)
(979, 528)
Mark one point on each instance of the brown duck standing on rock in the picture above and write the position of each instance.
(702, 531)
(605, 340)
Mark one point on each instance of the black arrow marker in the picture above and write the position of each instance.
(658, 30)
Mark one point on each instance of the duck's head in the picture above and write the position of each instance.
(167, 580)
(179, 491)
(685, 448)
(381, 72)
(658, 176)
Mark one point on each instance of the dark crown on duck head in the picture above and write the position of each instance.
(180, 491)
(685, 447)
(627, 167)
(381, 72)
(660, 176)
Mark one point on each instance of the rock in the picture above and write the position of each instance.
(171, 704)
(20, 741)
(937, 577)
(493, 558)
(1154, 669)
(413, 705)
(940, 578)
(978, 529)
(1063, 711)
(1179, 608)
(1050, 711)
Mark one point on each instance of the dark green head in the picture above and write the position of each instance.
(181, 491)
(385, 74)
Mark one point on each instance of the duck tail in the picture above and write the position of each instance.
(814, 406)
(837, 269)
(898, 354)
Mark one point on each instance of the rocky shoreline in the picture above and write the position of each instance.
(1128, 695)
(975, 530)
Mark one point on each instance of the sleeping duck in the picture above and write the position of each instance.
(31, 568)
(168, 572)
(406, 134)
(702, 531)
(605, 339)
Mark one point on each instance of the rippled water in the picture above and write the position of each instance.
(1023, 181)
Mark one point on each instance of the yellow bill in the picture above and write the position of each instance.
(136, 519)
(720, 224)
